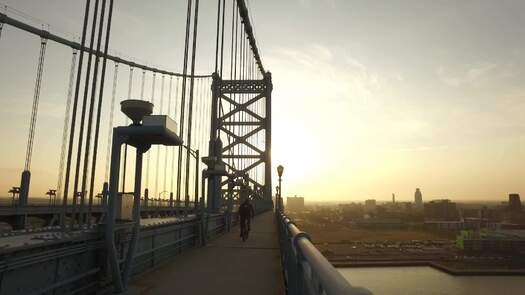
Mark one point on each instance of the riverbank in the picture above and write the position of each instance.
(443, 266)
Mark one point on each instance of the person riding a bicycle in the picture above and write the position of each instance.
(246, 213)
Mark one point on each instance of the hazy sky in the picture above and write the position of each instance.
(370, 97)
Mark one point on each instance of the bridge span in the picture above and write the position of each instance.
(165, 227)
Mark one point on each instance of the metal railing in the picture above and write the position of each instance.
(306, 270)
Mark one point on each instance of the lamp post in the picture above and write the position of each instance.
(52, 193)
(280, 170)
(15, 191)
(195, 154)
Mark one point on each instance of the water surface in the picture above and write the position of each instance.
(419, 280)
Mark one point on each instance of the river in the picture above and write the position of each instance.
(423, 280)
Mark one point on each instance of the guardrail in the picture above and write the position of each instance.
(75, 262)
(306, 270)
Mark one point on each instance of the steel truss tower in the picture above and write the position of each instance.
(240, 137)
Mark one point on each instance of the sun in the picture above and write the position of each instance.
(297, 151)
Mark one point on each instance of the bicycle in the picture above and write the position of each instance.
(245, 230)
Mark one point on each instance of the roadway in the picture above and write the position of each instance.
(226, 265)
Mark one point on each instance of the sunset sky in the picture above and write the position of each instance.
(370, 97)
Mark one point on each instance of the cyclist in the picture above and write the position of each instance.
(246, 213)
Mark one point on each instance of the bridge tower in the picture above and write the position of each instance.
(240, 137)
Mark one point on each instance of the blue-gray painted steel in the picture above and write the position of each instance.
(306, 270)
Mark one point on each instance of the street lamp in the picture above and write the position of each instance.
(52, 193)
(280, 170)
(195, 154)
(15, 191)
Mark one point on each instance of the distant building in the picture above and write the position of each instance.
(393, 198)
(370, 205)
(418, 198)
(514, 203)
(295, 203)
(443, 210)
(493, 241)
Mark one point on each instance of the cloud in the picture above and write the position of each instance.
(470, 76)
(349, 79)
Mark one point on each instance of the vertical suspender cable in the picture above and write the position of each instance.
(236, 116)
(190, 107)
(125, 161)
(94, 83)
(66, 123)
(232, 39)
(241, 113)
(183, 99)
(217, 37)
(222, 36)
(130, 87)
(73, 117)
(36, 98)
(149, 154)
(142, 85)
(83, 117)
(110, 124)
(166, 150)
(99, 107)
(231, 161)
(173, 148)
(157, 193)
(1, 28)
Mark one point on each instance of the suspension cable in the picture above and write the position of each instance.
(190, 110)
(183, 99)
(73, 117)
(1, 28)
(66, 122)
(158, 146)
(83, 118)
(166, 150)
(222, 35)
(217, 37)
(148, 155)
(90, 115)
(142, 85)
(99, 108)
(235, 96)
(173, 149)
(36, 98)
(110, 124)
(125, 160)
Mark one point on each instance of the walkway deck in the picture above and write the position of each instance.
(225, 266)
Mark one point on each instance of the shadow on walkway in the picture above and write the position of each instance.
(225, 266)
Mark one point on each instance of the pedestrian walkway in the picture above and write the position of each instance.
(225, 265)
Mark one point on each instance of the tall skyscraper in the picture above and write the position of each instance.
(418, 198)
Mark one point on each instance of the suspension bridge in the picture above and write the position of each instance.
(149, 206)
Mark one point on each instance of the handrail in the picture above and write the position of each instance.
(306, 270)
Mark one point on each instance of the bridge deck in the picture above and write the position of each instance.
(225, 266)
